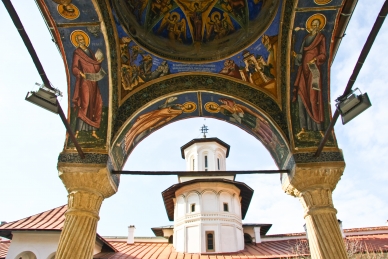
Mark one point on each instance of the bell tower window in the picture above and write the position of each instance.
(193, 164)
(209, 241)
(205, 163)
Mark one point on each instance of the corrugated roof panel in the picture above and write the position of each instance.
(4, 246)
(48, 220)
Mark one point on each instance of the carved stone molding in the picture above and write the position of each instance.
(88, 185)
(313, 184)
(84, 203)
(87, 177)
(305, 177)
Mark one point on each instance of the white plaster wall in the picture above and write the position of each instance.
(228, 240)
(192, 240)
(240, 238)
(43, 244)
(190, 229)
(214, 228)
(193, 198)
(237, 205)
(225, 197)
(209, 201)
(180, 240)
(180, 207)
(212, 150)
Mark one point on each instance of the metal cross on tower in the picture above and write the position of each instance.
(204, 130)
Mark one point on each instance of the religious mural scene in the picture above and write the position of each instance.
(256, 65)
(189, 105)
(247, 118)
(309, 77)
(159, 40)
(200, 31)
(161, 113)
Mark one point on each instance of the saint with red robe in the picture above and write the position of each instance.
(308, 83)
(87, 98)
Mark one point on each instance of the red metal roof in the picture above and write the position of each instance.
(47, 220)
(4, 245)
(50, 220)
(270, 249)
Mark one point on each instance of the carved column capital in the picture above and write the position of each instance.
(310, 176)
(94, 178)
(88, 185)
(313, 184)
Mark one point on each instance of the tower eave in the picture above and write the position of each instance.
(204, 140)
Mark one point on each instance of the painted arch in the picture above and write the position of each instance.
(242, 61)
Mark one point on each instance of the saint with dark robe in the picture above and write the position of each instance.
(87, 98)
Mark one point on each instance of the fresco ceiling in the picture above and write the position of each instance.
(134, 66)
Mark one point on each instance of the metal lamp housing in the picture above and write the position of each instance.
(352, 106)
(43, 98)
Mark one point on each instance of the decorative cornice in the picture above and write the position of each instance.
(90, 158)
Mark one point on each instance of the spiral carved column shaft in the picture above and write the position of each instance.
(313, 185)
(87, 188)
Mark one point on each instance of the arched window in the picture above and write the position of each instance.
(26, 255)
(247, 238)
(206, 164)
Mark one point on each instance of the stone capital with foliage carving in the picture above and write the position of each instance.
(94, 178)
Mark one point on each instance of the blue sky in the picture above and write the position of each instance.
(33, 138)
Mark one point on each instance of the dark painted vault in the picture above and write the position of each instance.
(134, 66)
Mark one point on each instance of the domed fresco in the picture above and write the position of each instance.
(195, 31)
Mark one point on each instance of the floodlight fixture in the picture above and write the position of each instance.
(45, 97)
(351, 105)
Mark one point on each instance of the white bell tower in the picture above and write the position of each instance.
(207, 206)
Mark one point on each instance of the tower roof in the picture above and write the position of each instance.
(204, 140)
(246, 194)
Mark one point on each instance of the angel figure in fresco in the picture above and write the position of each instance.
(197, 14)
(241, 114)
(137, 7)
(175, 27)
(221, 27)
(156, 118)
(235, 7)
(159, 7)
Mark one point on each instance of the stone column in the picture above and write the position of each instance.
(313, 184)
(88, 186)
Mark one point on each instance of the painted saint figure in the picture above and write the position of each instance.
(308, 83)
(241, 114)
(218, 25)
(149, 121)
(196, 13)
(175, 27)
(231, 69)
(87, 99)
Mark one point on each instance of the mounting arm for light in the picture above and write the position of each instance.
(46, 96)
